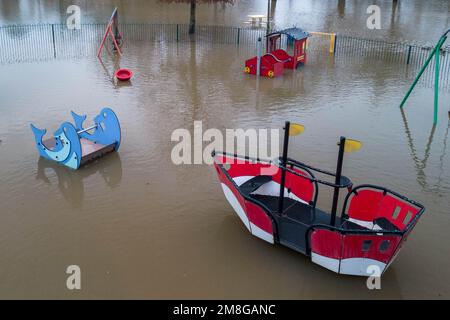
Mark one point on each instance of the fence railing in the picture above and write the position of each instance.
(412, 56)
(43, 42)
(51, 41)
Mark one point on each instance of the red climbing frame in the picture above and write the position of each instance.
(112, 30)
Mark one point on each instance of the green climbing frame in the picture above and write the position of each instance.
(434, 53)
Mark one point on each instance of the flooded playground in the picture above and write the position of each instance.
(141, 227)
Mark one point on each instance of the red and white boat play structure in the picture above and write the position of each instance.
(276, 201)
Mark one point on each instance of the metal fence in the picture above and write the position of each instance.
(52, 41)
(412, 56)
(44, 42)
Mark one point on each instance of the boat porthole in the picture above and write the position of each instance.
(366, 245)
(396, 212)
(407, 218)
(226, 166)
(384, 245)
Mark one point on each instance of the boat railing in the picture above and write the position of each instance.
(396, 212)
(380, 202)
(303, 171)
(343, 231)
(398, 205)
(240, 157)
(345, 182)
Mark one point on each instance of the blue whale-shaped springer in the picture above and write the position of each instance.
(66, 146)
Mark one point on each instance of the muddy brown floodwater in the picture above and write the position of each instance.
(141, 227)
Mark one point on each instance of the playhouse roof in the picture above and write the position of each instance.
(294, 33)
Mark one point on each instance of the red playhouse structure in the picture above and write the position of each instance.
(274, 62)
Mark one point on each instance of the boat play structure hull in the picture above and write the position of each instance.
(371, 230)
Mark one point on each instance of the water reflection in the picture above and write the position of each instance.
(444, 152)
(421, 164)
(70, 182)
(110, 72)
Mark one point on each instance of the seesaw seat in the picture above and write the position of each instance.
(74, 146)
(89, 150)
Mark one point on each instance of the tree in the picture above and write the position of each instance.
(194, 8)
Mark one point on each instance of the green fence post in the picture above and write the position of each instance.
(239, 36)
(177, 33)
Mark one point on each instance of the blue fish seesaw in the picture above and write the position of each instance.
(73, 146)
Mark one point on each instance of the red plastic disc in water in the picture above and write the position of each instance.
(123, 74)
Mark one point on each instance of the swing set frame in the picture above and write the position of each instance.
(112, 29)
